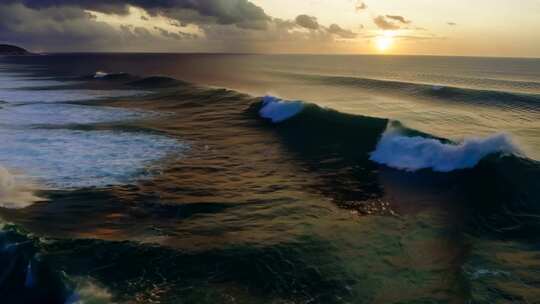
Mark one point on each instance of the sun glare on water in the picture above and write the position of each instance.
(384, 42)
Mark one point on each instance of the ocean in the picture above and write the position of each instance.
(236, 178)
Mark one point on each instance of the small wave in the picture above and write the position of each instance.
(156, 82)
(111, 76)
(15, 193)
(484, 97)
(278, 110)
(416, 153)
(100, 74)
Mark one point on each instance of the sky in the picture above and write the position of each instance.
(506, 28)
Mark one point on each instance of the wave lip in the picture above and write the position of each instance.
(100, 74)
(111, 76)
(278, 110)
(416, 153)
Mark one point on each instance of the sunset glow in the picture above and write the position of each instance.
(415, 27)
(269, 151)
(385, 41)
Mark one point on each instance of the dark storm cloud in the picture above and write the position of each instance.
(173, 35)
(311, 23)
(215, 25)
(384, 24)
(343, 33)
(398, 18)
(242, 13)
(72, 29)
(21, 24)
(308, 22)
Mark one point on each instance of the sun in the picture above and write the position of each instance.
(385, 41)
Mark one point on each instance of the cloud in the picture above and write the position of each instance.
(398, 18)
(23, 25)
(384, 24)
(241, 13)
(343, 33)
(361, 5)
(73, 29)
(308, 22)
(419, 37)
(162, 25)
(172, 35)
(451, 23)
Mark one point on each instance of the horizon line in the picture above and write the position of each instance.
(281, 54)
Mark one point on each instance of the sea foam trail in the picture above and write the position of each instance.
(69, 159)
(279, 110)
(15, 193)
(415, 153)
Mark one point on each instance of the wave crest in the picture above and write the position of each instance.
(111, 76)
(278, 110)
(416, 153)
(15, 193)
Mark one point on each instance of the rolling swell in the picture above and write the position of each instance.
(384, 142)
(503, 99)
(333, 145)
(156, 82)
(344, 147)
(347, 148)
(126, 79)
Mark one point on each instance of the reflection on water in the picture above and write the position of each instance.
(262, 212)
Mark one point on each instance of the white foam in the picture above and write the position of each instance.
(47, 96)
(279, 110)
(66, 159)
(415, 153)
(86, 291)
(59, 114)
(437, 87)
(9, 82)
(13, 80)
(15, 191)
(100, 74)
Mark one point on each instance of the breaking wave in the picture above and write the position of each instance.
(278, 110)
(415, 153)
(397, 147)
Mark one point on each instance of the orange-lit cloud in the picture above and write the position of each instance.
(329, 26)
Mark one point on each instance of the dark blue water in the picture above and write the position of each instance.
(140, 178)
